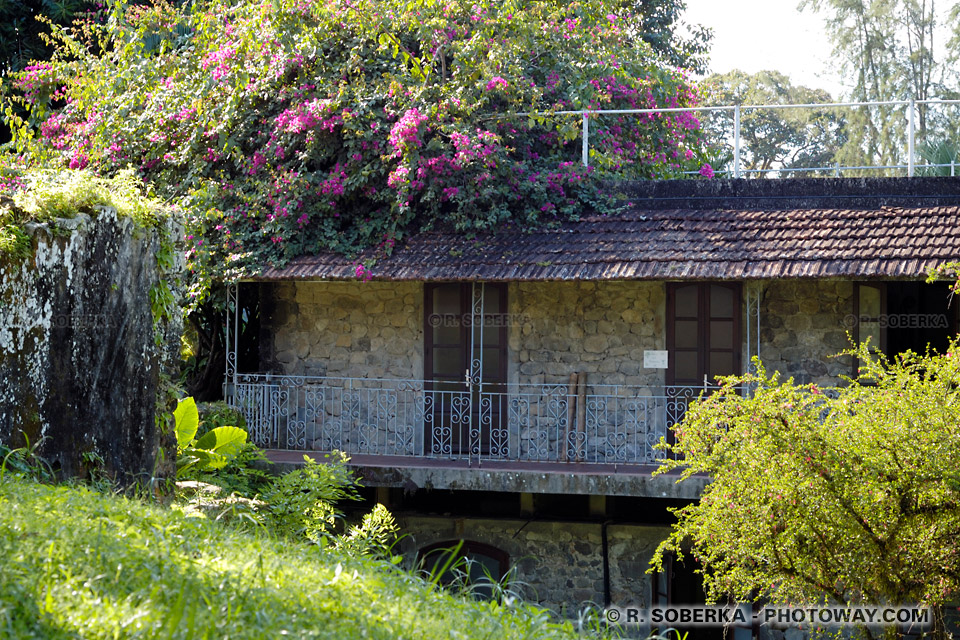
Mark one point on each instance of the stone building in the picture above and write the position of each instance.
(509, 389)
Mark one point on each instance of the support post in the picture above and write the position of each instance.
(753, 294)
(526, 504)
(736, 141)
(581, 410)
(585, 154)
(231, 338)
(571, 415)
(911, 135)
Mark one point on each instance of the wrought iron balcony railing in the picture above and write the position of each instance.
(604, 424)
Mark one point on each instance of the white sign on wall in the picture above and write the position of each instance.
(654, 359)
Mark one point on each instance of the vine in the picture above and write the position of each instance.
(290, 127)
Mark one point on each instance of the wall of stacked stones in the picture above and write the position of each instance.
(802, 327)
(375, 329)
(345, 329)
(559, 565)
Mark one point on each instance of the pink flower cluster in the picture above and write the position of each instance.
(405, 133)
(256, 162)
(79, 160)
(11, 184)
(398, 177)
(496, 82)
(34, 79)
(467, 149)
(333, 185)
(363, 273)
(216, 61)
(307, 115)
(706, 171)
(54, 130)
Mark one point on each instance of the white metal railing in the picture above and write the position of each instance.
(737, 111)
(603, 424)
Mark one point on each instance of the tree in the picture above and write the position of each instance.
(291, 126)
(887, 49)
(25, 27)
(776, 139)
(22, 29)
(660, 26)
(851, 495)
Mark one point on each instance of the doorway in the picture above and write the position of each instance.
(465, 366)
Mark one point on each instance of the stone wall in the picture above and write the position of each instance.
(802, 325)
(80, 365)
(559, 328)
(345, 329)
(559, 564)
(375, 329)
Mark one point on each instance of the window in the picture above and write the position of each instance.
(902, 316)
(480, 565)
(703, 332)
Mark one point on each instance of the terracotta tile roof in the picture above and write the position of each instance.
(711, 242)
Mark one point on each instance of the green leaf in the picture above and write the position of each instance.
(200, 460)
(188, 420)
(225, 441)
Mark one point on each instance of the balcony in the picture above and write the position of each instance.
(416, 422)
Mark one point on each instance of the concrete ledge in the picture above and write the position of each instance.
(555, 478)
(801, 193)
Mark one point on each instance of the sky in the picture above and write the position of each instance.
(755, 35)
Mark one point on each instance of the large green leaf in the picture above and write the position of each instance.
(188, 420)
(192, 459)
(225, 441)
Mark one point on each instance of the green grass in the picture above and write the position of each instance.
(77, 564)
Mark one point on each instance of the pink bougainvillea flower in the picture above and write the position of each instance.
(496, 82)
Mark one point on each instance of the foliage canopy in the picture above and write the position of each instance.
(852, 495)
(292, 126)
(894, 50)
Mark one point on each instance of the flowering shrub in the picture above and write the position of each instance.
(291, 126)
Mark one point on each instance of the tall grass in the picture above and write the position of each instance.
(78, 564)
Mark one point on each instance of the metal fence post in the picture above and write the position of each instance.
(231, 340)
(736, 141)
(911, 133)
(586, 140)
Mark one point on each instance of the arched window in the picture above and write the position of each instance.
(479, 564)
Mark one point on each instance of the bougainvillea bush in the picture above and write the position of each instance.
(284, 127)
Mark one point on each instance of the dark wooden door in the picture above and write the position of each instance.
(465, 365)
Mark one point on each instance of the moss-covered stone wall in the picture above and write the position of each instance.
(81, 354)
